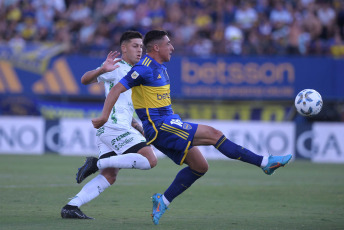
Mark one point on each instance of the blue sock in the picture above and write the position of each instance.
(184, 179)
(234, 151)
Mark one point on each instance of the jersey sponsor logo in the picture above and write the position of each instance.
(134, 75)
(119, 137)
(176, 122)
(187, 126)
(148, 96)
(122, 144)
(163, 96)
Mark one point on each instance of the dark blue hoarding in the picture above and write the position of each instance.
(255, 78)
(191, 78)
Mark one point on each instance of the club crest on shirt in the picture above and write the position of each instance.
(176, 122)
(187, 126)
(134, 75)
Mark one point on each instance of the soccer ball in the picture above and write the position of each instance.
(308, 102)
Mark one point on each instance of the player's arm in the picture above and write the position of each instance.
(133, 78)
(137, 126)
(110, 101)
(109, 65)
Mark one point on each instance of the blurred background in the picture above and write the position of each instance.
(237, 65)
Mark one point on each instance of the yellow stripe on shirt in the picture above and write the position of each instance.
(149, 63)
(143, 63)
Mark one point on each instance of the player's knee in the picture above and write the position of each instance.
(111, 179)
(110, 175)
(204, 168)
(153, 162)
(150, 155)
(201, 168)
(215, 134)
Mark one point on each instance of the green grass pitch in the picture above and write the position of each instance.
(232, 195)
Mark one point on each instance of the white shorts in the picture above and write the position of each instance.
(118, 140)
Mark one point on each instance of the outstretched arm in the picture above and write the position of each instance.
(110, 101)
(109, 65)
(137, 126)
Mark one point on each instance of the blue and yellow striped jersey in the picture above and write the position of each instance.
(150, 86)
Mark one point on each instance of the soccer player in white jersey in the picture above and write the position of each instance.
(120, 140)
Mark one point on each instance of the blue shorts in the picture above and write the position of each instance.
(175, 137)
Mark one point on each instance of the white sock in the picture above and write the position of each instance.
(90, 191)
(167, 203)
(265, 162)
(126, 161)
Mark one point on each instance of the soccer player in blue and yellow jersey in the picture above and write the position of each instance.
(120, 140)
(150, 86)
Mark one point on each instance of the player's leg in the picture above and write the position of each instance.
(131, 148)
(127, 160)
(197, 167)
(148, 152)
(94, 187)
(110, 174)
(90, 191)
(139, 156)
(126, 149)
(206, 135)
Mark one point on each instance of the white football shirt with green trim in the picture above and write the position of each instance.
(122, 112)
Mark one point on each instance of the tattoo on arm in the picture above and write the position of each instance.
(137, 126)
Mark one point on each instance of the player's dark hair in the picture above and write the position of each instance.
(128, 35)
(153, 35)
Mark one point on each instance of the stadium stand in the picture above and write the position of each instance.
(202, 28)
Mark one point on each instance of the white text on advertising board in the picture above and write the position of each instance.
(238, 79)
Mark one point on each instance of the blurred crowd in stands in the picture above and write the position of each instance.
(200, 28)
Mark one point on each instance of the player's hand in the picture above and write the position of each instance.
(110, 64)
(98, 122)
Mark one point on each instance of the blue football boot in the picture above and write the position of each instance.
(275, 162)
(159, 207)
